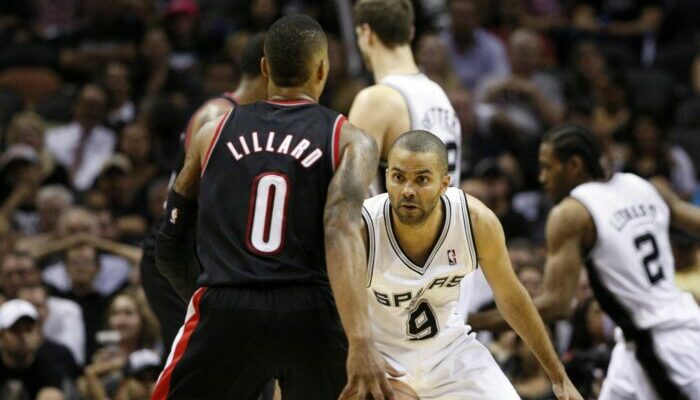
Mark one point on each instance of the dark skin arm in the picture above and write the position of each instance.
(569, 232)
(346, 263)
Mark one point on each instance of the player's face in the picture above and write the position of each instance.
(553, 175)
(414, 182)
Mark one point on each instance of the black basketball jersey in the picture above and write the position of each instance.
(263, 193)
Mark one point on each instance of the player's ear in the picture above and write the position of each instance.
(445, 183)
(264, 68)
(575, 165)
(322, 70)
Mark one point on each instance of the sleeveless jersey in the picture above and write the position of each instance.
(430, 110)
(263, 192)
(415, 307)
(631, 266)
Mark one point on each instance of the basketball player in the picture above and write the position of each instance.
(617, 226)
(423, 238)
(402, 98)
(274, 180)
(168, 306)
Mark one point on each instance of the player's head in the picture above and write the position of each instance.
(252, 79)
(296, 54)
(416, 175)
(569, 155)
(383, 24)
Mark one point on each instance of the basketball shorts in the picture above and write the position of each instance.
(235, 340)
(462, 370)
(667, 367)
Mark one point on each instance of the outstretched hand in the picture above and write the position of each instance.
(566, 390)
(367, 378)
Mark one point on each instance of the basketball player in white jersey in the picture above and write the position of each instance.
(423, 238)
(402, 97)
(618, 228)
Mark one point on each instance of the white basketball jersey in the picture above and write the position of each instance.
(431, 110)
(412, 306)
(631, 266)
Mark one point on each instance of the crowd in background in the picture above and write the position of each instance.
(95, 94)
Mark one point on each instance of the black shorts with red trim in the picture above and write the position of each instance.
(236, 339)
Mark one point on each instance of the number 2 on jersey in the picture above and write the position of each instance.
(267, 214)
(651, 259)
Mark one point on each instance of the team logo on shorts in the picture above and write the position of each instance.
(451, 256)
(173, 216)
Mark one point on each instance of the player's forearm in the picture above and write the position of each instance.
(521, 314)
(686, 217)
(346, 273)
(131, 253)
(491, 320)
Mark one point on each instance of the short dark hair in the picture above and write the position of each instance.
(420, 141)
(391, 20)
(290, 45)
(252, 52)
(570, 140)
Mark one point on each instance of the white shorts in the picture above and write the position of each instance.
(463, 370)
(678, 352)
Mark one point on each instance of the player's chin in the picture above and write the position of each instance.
(402, 391)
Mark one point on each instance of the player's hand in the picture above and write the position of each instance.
(566, 390)
(367, 371)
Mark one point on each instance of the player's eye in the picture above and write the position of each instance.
(397, 177)
(423, 179)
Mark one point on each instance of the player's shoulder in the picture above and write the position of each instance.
(378, 97)
(569, 217)
(373, 207)
(479, 213)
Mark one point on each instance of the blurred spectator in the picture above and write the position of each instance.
(497, 195)
(136, 143)
(140, 375)
(475, 53)
(156, 75)
(61, 320)
(532, 99)
(78, 226)
(624, 25)
(434, 61)
(182, 19)
(82, 267)
(591, 347)
(531, 278)
(157, 195)
(341, 88)
(51, 202)
(126, 202)
(137, 328)
(57, 18)
(685, 252)
(20, 179)
(529, 378)
(83, 145)
(29, 128)
(611, 110)
(117, 81)
(261, 14)
(17, 270)
(649, 154)
(219, 76)
(588, 66)
(28, 368)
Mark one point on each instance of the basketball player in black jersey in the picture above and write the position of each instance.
(168, 306)
(280, 186)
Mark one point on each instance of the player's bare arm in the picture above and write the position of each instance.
(511, 298)
(345, 252)
(382, 112)
(684, 215)
(175, 236)
(212, 110)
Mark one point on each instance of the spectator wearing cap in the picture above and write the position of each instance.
(29, 128)
(27, 366)
(182, 19)
(140, 375)
(20, 179)
(61, 320)
(125, 202)
(83, 145)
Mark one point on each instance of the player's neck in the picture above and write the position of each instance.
(420, 238)
(275, 93)
(393, 61)
(248, 92)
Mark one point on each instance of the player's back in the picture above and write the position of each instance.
(631, 266)
(430, 109)
(263, 193)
